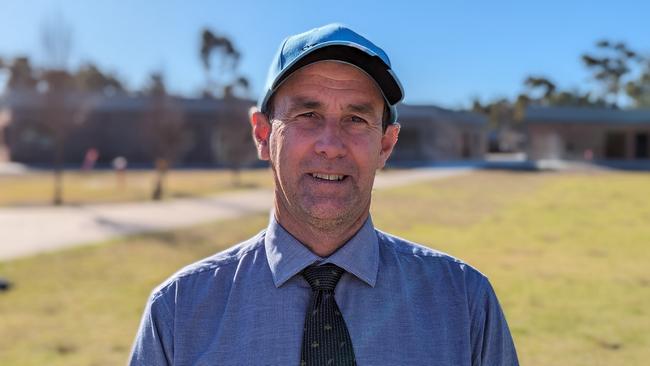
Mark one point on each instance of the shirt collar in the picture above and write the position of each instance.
(287, 256)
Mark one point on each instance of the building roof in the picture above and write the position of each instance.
(136, 103)
(436, 113)
(121, 102)
(584, 115)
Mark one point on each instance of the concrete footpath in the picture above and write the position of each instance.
(26, 231)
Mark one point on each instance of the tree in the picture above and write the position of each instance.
(543, 91)
(500, 113)
(223, 47)
(609, 67)
(90, 79)
(58, 116)
(3, 65)
(163, 122)
(231, 142)
(22, 76)
(639, 90)
(56, 37)
(240, 84)
(535, 83)
(567, 98)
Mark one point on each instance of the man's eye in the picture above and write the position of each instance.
(357, 119)
(308, 114)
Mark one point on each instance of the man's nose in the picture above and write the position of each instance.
(330, 142)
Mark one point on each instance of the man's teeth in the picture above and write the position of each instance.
(328, 176)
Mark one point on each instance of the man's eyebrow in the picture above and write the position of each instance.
(363, 108)
(299, 103)
(303, 103)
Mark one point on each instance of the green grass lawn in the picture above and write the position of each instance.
(568, 254)
(103, 186)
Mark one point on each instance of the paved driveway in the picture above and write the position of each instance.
(29, 230)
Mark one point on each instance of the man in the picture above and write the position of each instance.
(322, 286)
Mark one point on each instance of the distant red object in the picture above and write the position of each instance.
(90, 159)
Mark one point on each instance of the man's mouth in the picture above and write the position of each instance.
(328, 177)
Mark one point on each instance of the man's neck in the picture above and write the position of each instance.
(321, 238)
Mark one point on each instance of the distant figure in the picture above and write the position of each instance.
(321, 285)
(5, 285)
(90, 159)
(119, 165)
(589, 155)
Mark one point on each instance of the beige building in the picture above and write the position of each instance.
(434, 134)
(587, 134)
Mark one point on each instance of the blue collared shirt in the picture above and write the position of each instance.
(403, 304)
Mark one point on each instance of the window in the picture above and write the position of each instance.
(641, 146)
(615, 145)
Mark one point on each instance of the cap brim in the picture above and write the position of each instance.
(349, 53)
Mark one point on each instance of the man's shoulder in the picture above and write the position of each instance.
(407, 248)
(222, 263)
(417, 253)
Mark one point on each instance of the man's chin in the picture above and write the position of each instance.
(333, 213)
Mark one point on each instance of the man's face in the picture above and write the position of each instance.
(325, 143)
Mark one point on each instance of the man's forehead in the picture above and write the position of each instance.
(361, 104)
(307, 85)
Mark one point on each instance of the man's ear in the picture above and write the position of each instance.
(388, 141)
(261, 128)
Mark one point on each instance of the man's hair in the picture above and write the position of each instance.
(385, 117)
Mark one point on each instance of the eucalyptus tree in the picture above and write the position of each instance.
(220, 46)
(610, 64)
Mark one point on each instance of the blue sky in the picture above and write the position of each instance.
(445, 53)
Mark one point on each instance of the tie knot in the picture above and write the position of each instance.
(323, 278)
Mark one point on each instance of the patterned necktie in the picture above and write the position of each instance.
(325, 341)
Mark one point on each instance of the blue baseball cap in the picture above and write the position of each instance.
(333, 42)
